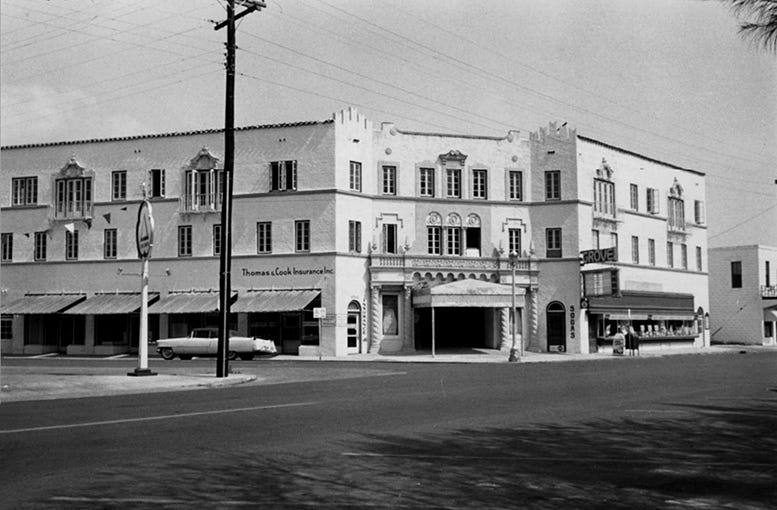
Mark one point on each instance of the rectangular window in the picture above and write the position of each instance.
(698, 212)
(453, 182)
(634, 197)
(7, 243)
(185, 241)
(604, 198)
(514, 241)
(698, 258)
(156, 179)
(389, 238)
(389, 179)
(614, 241)
(670, 254)
(553, 185)
(736, 275)
(515, 185)
(434, 240)
(426, 182)
(302, 236)
(472, 242)
(283, 175)
(6, 327)
(684, 255)
(355, 176)
(768, 329)
(355, 236)
(73, 198)
(203, 190)
(264, 237)
(595, 239)
(676, 214)
(652, 252)
(651, 196)
(553, 243)
(119, 185)
(71, 245)
(110, 242)
(390, 314)
(217, 240)
(25, 191)
(480, 184)
(41, 239)
(635, 249)
(453, 241)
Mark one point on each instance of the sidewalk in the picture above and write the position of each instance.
(20, 383)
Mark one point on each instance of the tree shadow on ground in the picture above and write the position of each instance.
(688, 456)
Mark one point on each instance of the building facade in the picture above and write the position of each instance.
(743, 294)
(408, 241)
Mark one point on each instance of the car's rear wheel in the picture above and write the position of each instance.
(231, 355)
(167, 353)
(247, 356)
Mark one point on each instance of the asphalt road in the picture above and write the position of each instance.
(673, 432)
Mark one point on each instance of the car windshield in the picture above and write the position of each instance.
(201, 333)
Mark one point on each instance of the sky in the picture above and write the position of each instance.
(670, 79)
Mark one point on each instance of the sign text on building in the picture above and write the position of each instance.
(599, 256)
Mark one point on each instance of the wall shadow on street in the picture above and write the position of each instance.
(682, 456)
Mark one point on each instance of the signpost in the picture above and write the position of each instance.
(144, 237)
(599, 256)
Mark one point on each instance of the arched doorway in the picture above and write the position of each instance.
(354, 334)
(556, 319)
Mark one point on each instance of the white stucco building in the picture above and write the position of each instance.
(390, 231)
(743, 294)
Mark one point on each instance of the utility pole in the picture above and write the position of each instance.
(225, 261)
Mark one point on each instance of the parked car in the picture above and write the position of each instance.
(204, 342)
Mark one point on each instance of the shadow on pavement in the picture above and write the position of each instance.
(685, 456)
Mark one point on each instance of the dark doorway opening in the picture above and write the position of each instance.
(455, 328)
(556, 327)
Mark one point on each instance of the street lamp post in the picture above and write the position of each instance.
(513, 261)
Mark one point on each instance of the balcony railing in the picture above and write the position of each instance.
(200, 203)
(418, 262)
(80, 212)
(769, 292)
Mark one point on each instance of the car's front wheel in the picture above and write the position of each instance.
(167, 353)
(231, 355)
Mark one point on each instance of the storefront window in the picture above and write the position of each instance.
(390, 314)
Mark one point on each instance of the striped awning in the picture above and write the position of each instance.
(274, 300)
(188, 302)
(657, 305)
(113, 303)
(42, 303)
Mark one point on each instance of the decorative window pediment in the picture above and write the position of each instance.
(473, 221)
(453, 220)
(604, 171)
(676, 191)
(204, 160)
(73, 170)
(453, 156)
(434, 219)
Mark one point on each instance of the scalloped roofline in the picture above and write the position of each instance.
(167, 135)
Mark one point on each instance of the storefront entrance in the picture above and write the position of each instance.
(354, 333)
(455, 328)
(556, 327)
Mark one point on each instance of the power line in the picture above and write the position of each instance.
(748, 219)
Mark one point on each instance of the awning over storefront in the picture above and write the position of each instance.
(644, 305)
(468, 293)
(770, 313)
(42, 303)
(113, 303)
(274, 300)
(188, 302)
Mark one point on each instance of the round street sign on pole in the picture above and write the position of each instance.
(144, 231)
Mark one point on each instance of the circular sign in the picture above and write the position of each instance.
(144, 231)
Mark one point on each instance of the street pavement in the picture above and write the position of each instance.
(24, 383)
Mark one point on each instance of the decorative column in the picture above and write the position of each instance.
(504, 328)
(534, 321)
(376, 334)
(408, 343)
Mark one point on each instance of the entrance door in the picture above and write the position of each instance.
(354, 327)
(556, 327)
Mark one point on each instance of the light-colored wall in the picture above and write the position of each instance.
(736, 315)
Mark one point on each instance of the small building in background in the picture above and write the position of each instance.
(743, 294)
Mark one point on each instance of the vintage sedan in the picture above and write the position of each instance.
(204, 342)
